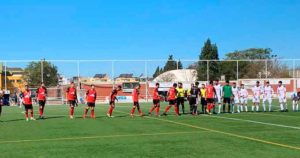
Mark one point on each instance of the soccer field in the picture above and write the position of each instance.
(259, 134)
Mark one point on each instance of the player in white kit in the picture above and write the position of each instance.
(256, 96)
(281, 92)
(218, 95)
(236, 98)
(295, 98)
(268, 92)
(243, 98)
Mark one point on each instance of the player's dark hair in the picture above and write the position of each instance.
(227, 81)
(157, 84)
(180, 83)
(211, 82)
(267, 82)
(257, 81)
(280, 82)
(197, 83)
(175, 85)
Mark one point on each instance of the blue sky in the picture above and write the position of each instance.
(147, 29)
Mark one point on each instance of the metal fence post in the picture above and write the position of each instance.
(266, 69)
(42, 70)
(294, 76)
(78, 74)
(207, 70)
(237, 70)
(113, 72)
(5, 75)
(146, 80)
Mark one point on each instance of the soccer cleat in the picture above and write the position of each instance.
(71, 117)
(131, 115)
(149, 114)
(164, 114)
(33, 119)
(27, 119)
(84, 116)
(108, 115)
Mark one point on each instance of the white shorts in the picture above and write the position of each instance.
(236, 100)
(218, 100)
(256, 99)
(282, 99)
(244, 100)
(269, 99)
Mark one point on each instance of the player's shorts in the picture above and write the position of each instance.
(136, 103)
(42, 102)
(210, 100)
(218, 100)
(236, 100)
(203, 101)
(28, 106)
(156, 101)
(282, 99)
(269, 99)
(172, 102)
(180, 100)
(227, 100)
(91, 104)
(111, 102)
(72, 102)
(192, 100)
(256, 99)
(244, 100)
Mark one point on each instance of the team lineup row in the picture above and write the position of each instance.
(212, 98)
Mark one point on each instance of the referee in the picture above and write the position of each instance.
(180, 97)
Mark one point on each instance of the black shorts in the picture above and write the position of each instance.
(156, 101)
(28, 106)
(226, 100)
(210, 100)
(136, 104)
(203, 101)
(172, 102)
(91, 104)
(111, 102)
(180, 100)
(72, 102)
(193, 100)
(42, 102)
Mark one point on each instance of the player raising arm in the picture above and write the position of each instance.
(136, 104)
(91, 96)
(243, 98)
(41, 96)
(172, 100)
(27, 102)
(112, 103)
(72, 98)
(281, 92)
(268, 92)
(156, 100)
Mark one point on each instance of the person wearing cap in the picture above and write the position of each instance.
(236, 98)
(243, 98)
(256, 90)
(41, 96)
(91, 96)
(268, 92)
(227, 95)
(281, 92)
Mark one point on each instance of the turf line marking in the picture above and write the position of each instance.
(95, 137)
(256, 122)
(275, 115)
(226, 133)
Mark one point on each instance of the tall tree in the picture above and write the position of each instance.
(157, 72)
(208, 52)
(180, 66)
(33, 74)
(171, 64)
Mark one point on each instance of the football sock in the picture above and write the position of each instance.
(31, 113)
(264, 106)
(92, 113)
(257, 108)
(132, 111)
(26, 113)
(167, 108)
(242, 108)
(281, 106)
(252, 108)
(152, 108)
(219, 110)
(246, 108)
(157, 110)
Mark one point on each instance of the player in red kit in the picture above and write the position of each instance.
(156, 101)
(72, 98)
(210, 95)
(91, 96)
(113, 98)
(135, 98)
(27, 102)
(172, 100)
(41, 96)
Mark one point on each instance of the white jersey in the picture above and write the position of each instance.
(256, 91)
(281, 91)
(235, 92)
(218, 89)
(243, 93)
(268, 91)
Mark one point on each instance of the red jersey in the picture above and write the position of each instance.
(155, 94)
(91, 96)
(210, 92)
(113, 95)
(172, 93)
(71, 93)
(41, 93)
(135, 95)
(27, 97)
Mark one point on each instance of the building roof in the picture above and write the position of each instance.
(126, 76)
(100, 75)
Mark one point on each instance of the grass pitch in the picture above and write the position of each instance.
(242, 135)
